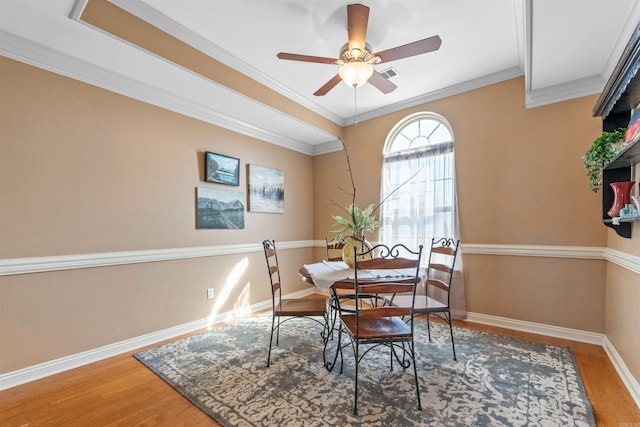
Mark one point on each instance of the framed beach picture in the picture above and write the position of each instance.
(219, 208)
(266, 189)
(221, 169)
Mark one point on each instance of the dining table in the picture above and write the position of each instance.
(326, 274)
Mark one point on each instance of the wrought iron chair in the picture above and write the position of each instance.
(442, 258)
(381, 325)
(286, 309)
(334, 249)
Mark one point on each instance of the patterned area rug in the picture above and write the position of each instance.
(497, 381)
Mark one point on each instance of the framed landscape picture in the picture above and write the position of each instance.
(266, 189)
(221, 169)
(220, 208)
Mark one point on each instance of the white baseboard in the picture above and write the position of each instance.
(52, 367)
(537, 328)
(42, 370)
(570, 334)
(623, 371)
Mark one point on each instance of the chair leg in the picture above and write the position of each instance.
(415, 373)
(453, 345)
(331, 365)
(273, 319)
(355, 399)
(428, 327)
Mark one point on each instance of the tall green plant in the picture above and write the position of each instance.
(358, 220)
(602, 151)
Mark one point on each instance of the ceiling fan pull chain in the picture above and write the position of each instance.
(355, 104)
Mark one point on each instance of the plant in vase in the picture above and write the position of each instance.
(352, 226)
(603, 150)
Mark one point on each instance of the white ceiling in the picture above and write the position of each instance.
(564, 48)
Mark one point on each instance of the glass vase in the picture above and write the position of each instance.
(622, 196)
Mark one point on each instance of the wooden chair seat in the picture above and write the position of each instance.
(376, 328)
(301, 307)
(423, 304)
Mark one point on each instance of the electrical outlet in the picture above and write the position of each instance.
(210, 293)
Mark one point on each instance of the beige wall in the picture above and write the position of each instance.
(520, 176)
(83, 170)
(622, 308)
(520, 182)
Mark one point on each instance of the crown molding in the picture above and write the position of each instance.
(483, 81)
(154, 17)
(565, 91)
(327, 147)
(29, 52)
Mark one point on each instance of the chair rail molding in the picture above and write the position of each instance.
(623, 259)
(13, 266)
(582, 252)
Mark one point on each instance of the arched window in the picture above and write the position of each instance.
(418, 181)
(419, 190)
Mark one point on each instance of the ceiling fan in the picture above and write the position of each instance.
(356, 60)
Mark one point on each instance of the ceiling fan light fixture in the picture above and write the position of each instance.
(355, 73)
(356, 58)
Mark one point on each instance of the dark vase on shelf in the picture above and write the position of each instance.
(622, 196)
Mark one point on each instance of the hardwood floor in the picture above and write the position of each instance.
(120, 391)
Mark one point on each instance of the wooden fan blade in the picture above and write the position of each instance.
(328, 86)
(305, 58)
(357, 21)
(383, 85)
(411, 49)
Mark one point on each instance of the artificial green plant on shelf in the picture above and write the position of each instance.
(603, 150)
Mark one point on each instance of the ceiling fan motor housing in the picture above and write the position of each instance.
(356, 55)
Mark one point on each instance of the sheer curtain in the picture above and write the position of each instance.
(420, 191)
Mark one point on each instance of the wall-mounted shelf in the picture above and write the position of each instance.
(629, 219)
(620, 96)
(628, 157)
